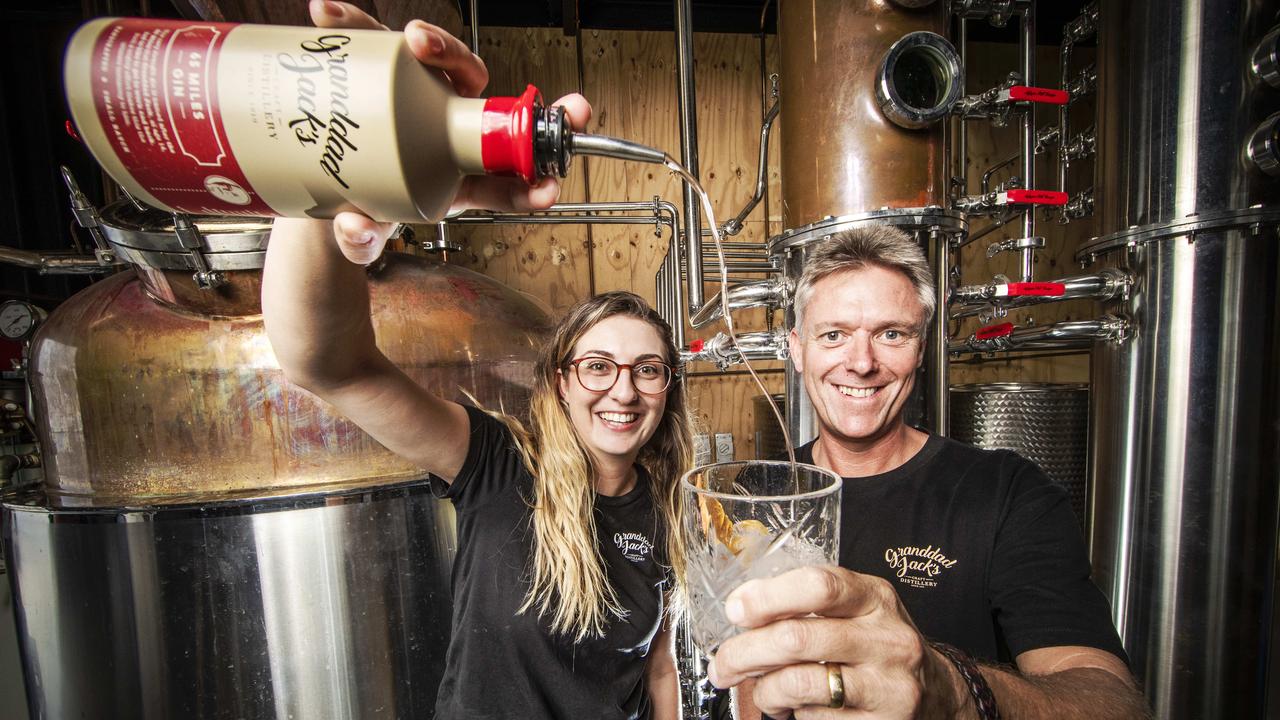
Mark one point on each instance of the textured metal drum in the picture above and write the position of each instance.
(1046, 423)
(333, 606)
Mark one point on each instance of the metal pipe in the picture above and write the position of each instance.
(995, 225)
(734, 226)
(475, 27)
(939, 396)
(746, 295)
(1068, 334)
(1027, 46)
(986, 176)
(721, 350)
(579, 214)
(1064, 127)
(686, 108)
(55, 264)
(962, 142)
(745, 267)
(1104, 285)
(765, 88)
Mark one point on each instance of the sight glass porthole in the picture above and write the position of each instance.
(919, 80)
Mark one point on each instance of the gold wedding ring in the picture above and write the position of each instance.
(835, 683)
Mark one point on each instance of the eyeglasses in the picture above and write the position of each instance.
(600, 374)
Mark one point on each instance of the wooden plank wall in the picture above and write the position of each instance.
(630, 79)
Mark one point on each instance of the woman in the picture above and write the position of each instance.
(564, 551)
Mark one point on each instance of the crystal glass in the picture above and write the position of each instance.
(747, 520)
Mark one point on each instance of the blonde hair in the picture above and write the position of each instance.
(877, 244)
(568, 585)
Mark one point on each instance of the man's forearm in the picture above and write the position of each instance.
(1074, 694)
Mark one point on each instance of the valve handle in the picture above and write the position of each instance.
(1025, 289)
(1032, 197)
(994, 331)
(1027, 93)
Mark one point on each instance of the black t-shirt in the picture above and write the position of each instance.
(982, 548)
(502, 664)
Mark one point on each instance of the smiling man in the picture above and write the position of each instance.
(948, 553)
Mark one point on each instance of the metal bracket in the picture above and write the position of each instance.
(87, 217)
(193, 242)
(442, 243)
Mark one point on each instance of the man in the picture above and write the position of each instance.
(948, 552)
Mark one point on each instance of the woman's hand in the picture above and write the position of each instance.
(360, 238)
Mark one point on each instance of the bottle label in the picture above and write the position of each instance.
(155, 88)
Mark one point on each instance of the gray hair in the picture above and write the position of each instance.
(877, 245)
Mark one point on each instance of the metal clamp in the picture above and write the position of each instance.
(1015, 244)
(87, 217)
(1079, 206)
(1081, 146)
(193, 242)
(1082, 84)
(996, 12)
(442, 243)
(992, 104)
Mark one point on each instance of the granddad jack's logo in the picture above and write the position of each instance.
(916, 566)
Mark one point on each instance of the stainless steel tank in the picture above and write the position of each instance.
(1185, 410)
(1047, 423)
(211, 541)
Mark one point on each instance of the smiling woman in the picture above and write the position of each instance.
(563, 572)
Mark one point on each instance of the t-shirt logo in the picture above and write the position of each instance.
(634, 546)
(916, 566)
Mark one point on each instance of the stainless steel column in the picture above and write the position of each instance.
(1184, 525)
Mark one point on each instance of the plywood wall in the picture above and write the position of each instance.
(630, 79)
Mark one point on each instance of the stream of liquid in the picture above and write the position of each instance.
(716, 235)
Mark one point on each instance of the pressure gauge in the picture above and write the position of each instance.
(18, 319)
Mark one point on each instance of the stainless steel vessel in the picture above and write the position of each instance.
(213, 542)
(328, 605)
(1047, 423)
(1185, 411)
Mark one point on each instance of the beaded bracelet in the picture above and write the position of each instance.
(983, 699)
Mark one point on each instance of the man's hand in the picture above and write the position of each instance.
(360, 238)
(814, 615)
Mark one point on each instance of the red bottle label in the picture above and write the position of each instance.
(155, 87)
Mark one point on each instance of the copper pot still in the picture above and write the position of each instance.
(152, 388)
(865, 87)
